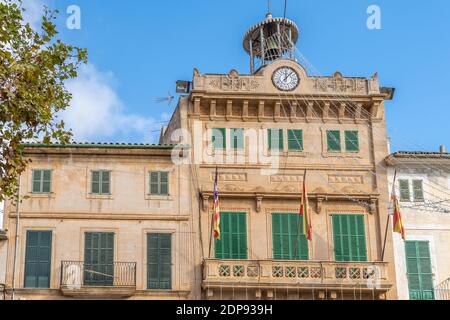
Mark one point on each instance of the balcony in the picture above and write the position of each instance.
(442, 291)
(345, 278)
(111, 281)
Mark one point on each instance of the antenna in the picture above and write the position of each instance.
(285, 7)
(268, 10)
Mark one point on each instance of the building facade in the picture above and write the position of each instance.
(102, 221)
(3, 253)
(423, 188)
(263, 132)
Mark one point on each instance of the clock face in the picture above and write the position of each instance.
(286, 79)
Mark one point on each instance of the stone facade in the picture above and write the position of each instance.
(259, 182)
(129, 212)
(427, 221)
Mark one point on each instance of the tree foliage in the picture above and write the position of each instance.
(34, 66)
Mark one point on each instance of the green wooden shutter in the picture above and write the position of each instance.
(37, 181)
(219, 138)
(159, 261)
(405, 195)
(38, 259)
(288, 239)
(237, 139)
(334, 141)
(106, 181)
(351, 141)
(295, 140)
(159, 183)
(349, 238)
(98, 259)
(233, 243)
(418, 190)
(42, 181)
(95, 187)
(420, 274)
(276, 141)
(164, 181)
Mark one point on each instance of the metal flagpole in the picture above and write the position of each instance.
(388, 219)
(16, 246)
(216, 182)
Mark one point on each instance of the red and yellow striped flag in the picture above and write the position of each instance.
(304, 212)
(398, 221)
(216, 214)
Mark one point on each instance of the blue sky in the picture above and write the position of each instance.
(138, 49)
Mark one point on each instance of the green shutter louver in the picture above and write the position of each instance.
(159, 261)
(101, 182)
(42, 181)
(219, 138)
(351, 141)
(295, 140)
(349, 238)
(237, 139)
(159, 183)
(98, 259)
(418, 190)
(419, 271)
(334, 141)
(38, 259)
(276, 141)
(233, 243)
(288, 239)
(405, 195)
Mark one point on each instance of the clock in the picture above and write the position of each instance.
(286, 79)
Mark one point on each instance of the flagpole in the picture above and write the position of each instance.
(216, 180)
(388, 218)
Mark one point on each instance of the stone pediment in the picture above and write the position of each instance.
(261, 82)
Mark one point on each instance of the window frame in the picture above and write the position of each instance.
(401, 190)
(421, 190)
(339, 238)
(214, 138)
(298, 140)
(159, 183)
(350, 141)
(159, 264)
(41, 181)
(100, 183)
(220, 247)
(295, 242)
(236, 143)
(280, 139)
(329, 149)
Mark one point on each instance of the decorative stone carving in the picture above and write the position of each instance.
(339, 84)
(205, 202)
(234, 82)
(319, 204)
(233, 188)
(259, 200)
(346, 179)
(231, 176)
(282, 178)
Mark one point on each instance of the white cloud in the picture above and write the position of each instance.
(96, 111)
(34, 10)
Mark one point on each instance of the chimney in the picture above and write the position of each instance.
(442, 149)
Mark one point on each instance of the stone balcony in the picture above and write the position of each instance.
(321, 276)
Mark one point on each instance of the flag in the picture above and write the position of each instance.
(304, 212)
(398, 221)
(216, 214)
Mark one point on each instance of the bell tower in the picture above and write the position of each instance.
(270, 40)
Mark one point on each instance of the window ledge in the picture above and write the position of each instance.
(32, 195)
(100, 197)
(159, 198)
(331, 154)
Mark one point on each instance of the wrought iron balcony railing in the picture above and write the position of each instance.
(76, 274)
(442, 291)
(295, 274)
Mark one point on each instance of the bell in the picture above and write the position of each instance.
(272, 50)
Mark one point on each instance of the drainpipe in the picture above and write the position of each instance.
(16, 246)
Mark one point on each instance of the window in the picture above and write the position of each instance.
(419, 271)
(38, 259)
(237, 139)
(349, 238)
(101, 182)
(159, 183)
(288, 240)
(218, 139)
(233, 242)
(351, 141)
(334, 141)
(159, 261)
(405, 195)
(276, 139)
(98, 259)
(418, 190)
(42, 181)
(295, 140)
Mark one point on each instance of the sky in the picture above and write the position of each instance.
(138, 49)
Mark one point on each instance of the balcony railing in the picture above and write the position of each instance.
(295, 274)
(77, 275)
(442, 291)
